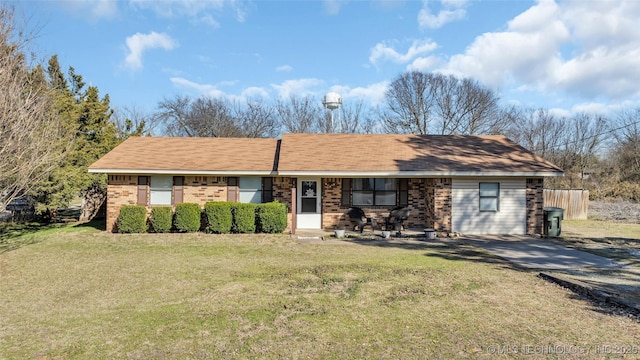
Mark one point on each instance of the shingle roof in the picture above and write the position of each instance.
(189, 155)
(407, 153)
(327, 155)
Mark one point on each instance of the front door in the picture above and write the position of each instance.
(309, 206)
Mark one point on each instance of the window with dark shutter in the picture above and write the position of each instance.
(143, 186)
(178, 192)
(267, 189)
(232, 189)
(346, 192)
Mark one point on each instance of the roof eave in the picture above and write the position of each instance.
(184, 172)
(413, 174)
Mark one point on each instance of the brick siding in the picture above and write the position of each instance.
(535, 203)
(429, 201)
(121, 190)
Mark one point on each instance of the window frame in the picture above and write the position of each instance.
(375, 192)
(267, 190)
(155, 189)
(496, 197)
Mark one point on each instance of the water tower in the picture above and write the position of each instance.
(331, 103)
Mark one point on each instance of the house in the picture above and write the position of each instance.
(465, 184)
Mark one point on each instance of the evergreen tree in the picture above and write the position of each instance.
(87, 117)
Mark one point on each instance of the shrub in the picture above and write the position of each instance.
(272, 217)
(132, 219)
(218, 217)
(161, 219)
(187, 217)
(244, 218)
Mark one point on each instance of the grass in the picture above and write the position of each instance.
(75, 292)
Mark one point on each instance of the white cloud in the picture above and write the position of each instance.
(373, 93)
(138, 43)
(423, 63)
(284, 68)
(332, 7)
(198, 9)
(299, 87)
(383, 52)
(203, 89)
(213, 91)
(589, 49)
(254, 92)
(451, 10)
(93, 9)
(209, 20)
(528, 50)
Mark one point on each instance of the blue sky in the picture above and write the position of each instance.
(567, 56)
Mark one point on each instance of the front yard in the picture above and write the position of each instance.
(76, 292)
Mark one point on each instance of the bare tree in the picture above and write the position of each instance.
(409, 102)
(131, 121)
(538, 131)
(256, 119)
(355, 118)
(424, 103)
(31, 137)
(627, 147)
(300, 115)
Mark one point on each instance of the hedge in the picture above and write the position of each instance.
(161, 219)
(244, 218)
(187, 217)
(132, 219)
(218, 217)
(271, 217)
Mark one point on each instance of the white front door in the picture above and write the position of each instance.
(309, 214)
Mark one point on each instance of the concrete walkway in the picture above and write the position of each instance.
(534, 253)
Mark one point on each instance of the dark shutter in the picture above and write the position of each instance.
(267, 189)
(403, 192)
(232, 189)
(346, 192)
(178, 186)
(143, 187)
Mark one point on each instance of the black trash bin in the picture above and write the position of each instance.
(553, 221)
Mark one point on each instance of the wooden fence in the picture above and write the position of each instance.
(574, 202)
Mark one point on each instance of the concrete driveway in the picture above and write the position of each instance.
(536, 253)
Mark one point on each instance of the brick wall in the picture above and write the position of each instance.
(535, 203)
(203, 189)
(282, 193)
(121, 190)
(438, 194)
(334, 214)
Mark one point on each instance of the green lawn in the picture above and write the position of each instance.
(75, 292)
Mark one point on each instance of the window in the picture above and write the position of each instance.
(267, 189)
(370, 191)
(161, 187)
(489, 196)
(250, 190)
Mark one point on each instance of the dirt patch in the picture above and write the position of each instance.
(618, 211)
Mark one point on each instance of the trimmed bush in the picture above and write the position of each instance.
(244, 218)
(187, 217)
(218, 217)
(161, 219)
(272, 217)
(132, 219)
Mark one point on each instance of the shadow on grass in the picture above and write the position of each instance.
(97, 224)
(15, 236)
(449, 250)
